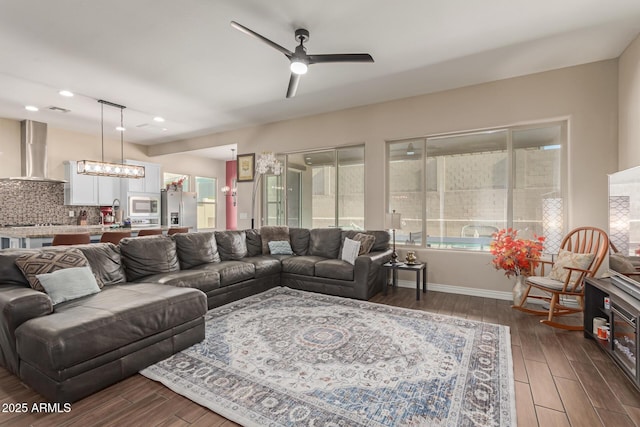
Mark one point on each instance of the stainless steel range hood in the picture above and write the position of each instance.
(33, 152)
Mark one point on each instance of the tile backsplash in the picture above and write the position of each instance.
(34, 202)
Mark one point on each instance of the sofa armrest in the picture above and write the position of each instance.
(367, 272)
(17, 305)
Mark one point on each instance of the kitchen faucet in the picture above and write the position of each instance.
(113, 210)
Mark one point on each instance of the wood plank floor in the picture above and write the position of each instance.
(561, 379)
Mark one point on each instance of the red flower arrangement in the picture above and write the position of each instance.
(514, 255)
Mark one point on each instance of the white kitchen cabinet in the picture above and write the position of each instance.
(79, 190)
(151, 183)
(108, 190)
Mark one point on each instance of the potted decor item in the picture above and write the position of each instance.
(517, 257)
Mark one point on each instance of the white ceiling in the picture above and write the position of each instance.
(182, 60)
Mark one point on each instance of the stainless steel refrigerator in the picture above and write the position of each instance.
(179, 209)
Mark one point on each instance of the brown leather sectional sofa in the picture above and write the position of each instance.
(75, 348)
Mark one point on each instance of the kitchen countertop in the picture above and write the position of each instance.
(50, 230)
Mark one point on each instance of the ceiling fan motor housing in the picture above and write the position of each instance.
(302, 35)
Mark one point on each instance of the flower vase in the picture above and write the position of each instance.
(519, 288)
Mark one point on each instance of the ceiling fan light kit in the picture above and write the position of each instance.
(299, 59)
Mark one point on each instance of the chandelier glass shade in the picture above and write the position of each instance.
(102, 168)
(92, 167)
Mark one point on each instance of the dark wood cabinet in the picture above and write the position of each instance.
(622, 315)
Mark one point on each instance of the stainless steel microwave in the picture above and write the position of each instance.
(144, 206)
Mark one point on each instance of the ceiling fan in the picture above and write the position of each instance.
(300, 60)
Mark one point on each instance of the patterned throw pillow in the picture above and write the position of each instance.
(280, 247)
(569, 259)
(350, 250)
(48, 261)
(366, 242)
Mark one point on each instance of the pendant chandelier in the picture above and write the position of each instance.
(102, 168)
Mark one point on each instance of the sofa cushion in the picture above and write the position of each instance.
(230, 271)
(144, 256)
(232, 244)
(254, 242)
(68, 284)
(10, 274)
(196, 248)
(382, 240)
(272, 234)
(264, 265)
(48, 261)
(334, 269)
(105, 262)
(325, 242)
(198, 279)
(299, 238)
(97, 324)
(303, 265)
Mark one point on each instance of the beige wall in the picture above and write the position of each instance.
(585, 95)
(629, 106)
(68, 145)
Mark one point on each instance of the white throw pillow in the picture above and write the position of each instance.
(69, 283)
(350, 250)
(569, 259)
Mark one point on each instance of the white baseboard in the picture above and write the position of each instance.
(459, 290)
(475, 292)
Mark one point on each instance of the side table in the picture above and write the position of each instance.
(419, 268)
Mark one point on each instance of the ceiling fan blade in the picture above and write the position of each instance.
(293, 85)
(263, 39)
(340, 57)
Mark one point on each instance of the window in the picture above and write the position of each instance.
(169, 178)
(455, 191)
(206, 189)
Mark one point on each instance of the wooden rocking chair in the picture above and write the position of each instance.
(581, 254)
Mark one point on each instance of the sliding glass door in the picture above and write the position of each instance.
(319, 189)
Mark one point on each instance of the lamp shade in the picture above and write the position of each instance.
(619, 229)
(394, 220)
(552, 224)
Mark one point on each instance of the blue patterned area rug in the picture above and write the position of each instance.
(293, 358)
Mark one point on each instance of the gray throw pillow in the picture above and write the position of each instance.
(68, 284)
(280, 247)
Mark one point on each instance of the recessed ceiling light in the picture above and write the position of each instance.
(158, 119)
(66, 93)
(164, 129)
(31, 108)
(120, 128)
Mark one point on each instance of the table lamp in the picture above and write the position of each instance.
(394, 222)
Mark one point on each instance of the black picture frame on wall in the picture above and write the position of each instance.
(246, 167)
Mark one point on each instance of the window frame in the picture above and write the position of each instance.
(214, 203)
(563, 124)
